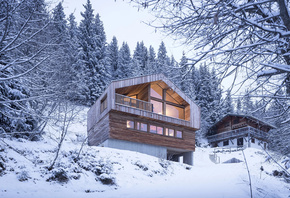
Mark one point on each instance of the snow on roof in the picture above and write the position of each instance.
(245, 116)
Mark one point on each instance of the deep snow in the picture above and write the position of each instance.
(132, 174)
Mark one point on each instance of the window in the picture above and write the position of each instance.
(253, 140)
(156, 91)
(226, 143)
(179, 134)
(174, 111)
(236, 121)
(141, 126)
(104, 103)
(157, 107)
(160, 130)
(169, 132)
(153, 129)
(130, 124)
(227, 124)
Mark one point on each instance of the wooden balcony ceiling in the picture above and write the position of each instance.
(132, 90)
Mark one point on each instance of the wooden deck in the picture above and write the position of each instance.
(238, 133)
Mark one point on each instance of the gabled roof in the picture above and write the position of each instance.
(245, 116)
(148, 79)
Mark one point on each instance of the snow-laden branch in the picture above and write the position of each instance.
(26, 72)
(277, 69)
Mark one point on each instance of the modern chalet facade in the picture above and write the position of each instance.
(147, 114)
(235, 130)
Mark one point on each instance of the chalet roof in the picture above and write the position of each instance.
(133, 81)
(255, 119)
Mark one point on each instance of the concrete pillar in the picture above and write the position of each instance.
(188, 158)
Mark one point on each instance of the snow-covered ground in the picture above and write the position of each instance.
(105, 172)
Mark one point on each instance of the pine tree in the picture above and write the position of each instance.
(183, 73)
(112, 57)
(239, 106)
(140, 59)
(228, 104)
(151, 60)
(247, 104)
(208, 96)
(124, 62)
(93, 73)
(162, 59)
(279, 138)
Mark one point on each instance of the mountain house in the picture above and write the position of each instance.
(235, 130)
(147, 114)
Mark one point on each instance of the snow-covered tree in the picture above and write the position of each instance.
(140, 59)
(93, 74)
(24, 48)
(151, 60)
(184, 74)
(163, 60)
(112, 58)
(239, 106)
(228, 104)
(124, 62)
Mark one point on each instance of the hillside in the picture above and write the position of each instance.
(105, 172)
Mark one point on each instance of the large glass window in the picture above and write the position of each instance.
(130, 124)
(174, 111)
(160, 130)
(169, 132)
(153, 129)
(157, 107)
(179, 134)
(141, 126)
(156, 91)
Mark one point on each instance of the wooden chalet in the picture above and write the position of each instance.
(235, 130)
(147, 114)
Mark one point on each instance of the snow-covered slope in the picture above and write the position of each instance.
(105, 172)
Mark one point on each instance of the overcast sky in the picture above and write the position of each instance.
(125, 22)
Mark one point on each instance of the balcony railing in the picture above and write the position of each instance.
(132, 102)
(143, 108)
(237, 133)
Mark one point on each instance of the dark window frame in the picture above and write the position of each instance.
(226, 143)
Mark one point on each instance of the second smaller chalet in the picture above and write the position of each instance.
(235, 130)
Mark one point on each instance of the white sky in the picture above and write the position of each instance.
(125, 22)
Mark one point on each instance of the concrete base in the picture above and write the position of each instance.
(157, 151)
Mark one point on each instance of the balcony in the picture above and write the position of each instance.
(143, 108)
(245, 131)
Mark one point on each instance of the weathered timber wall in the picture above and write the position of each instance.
(118, 130)
(100, 132)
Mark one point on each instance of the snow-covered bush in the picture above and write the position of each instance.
(2, 165)
(141, 166)
(23, 176)
(106, 179)
(164, 163)
(59, 175)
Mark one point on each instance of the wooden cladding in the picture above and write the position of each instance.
(119, 130)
